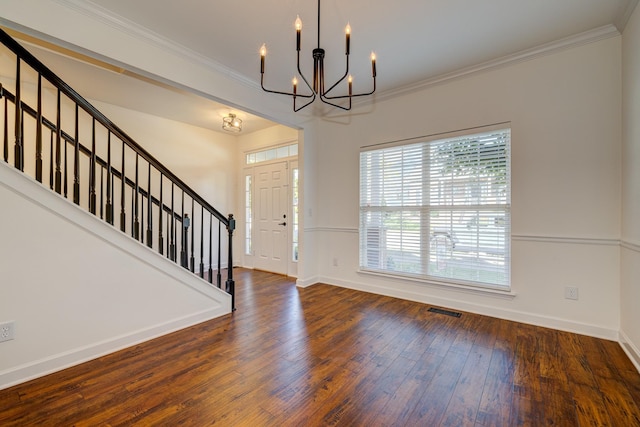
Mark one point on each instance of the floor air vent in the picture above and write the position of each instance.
(447, 312)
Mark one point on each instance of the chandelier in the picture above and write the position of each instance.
(317, 88)
(231, 123)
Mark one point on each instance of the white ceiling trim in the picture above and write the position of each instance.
(586, 37)
(145, 35)
(624, 16)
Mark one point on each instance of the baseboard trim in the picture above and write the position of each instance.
(305, 283)
(516, 316)
(632, 351)
(59, 362)
(220, 302)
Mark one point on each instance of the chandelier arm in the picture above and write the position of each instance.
(296, 109)
(346, 73)
(313, 95)
(323, 99)
(355, 94)
(305, 79)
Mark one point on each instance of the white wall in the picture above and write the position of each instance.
(203, 159)
(76, 288)
(630, 265)
(565, 113)
(269, 137)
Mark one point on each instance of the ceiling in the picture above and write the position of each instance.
(415, 41)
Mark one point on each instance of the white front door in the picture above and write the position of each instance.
(270, 211)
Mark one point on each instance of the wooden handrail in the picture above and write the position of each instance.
(86, 151)
(62, 146)
(58, 83)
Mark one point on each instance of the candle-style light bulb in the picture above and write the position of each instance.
(263, 53)
(350, 80)
(295, 85)
(347, 32)
(298, 25)
(373, 63)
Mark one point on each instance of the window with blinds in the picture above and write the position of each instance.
(438, 210)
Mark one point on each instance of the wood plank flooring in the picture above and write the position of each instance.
(325, 356)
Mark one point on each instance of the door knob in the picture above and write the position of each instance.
(283, 223)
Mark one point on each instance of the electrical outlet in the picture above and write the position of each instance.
(571, 292)
(335, 262)
(7, 330)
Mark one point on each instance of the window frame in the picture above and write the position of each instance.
(421, 213)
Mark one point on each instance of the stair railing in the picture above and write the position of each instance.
(99, 167)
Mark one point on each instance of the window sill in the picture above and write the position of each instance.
(466, 288)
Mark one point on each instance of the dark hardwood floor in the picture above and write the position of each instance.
(330, 356)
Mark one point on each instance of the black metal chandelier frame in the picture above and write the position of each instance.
(317, 89)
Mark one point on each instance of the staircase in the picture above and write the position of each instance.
(54, 135)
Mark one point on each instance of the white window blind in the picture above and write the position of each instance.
(438, 210)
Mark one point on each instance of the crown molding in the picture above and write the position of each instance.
(134, 30)
(570, 42)
(624, 14)
(145, 35)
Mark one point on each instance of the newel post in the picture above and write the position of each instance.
(231, 285)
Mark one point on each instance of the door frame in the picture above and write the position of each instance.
(248, 259)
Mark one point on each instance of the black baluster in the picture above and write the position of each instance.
(210, 248)
(183, 237)
(39, 132)
(66, 168)
(169, 240)
(132, 216)
(19, 148)
(5, 136)
(175, 237)
(123, 216)
(109, 207)
(58, 184)
(76, 162)
(101, 192)
(231, 285)
(149, 211)
(160, 215)
(136, 222)
(51, 160)
(141, 225)
(172, 244)
(92, 171)
(219, 278)
(22, 133)
(186, 223)
(112, 195)
(201, 241)
(192, 259)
